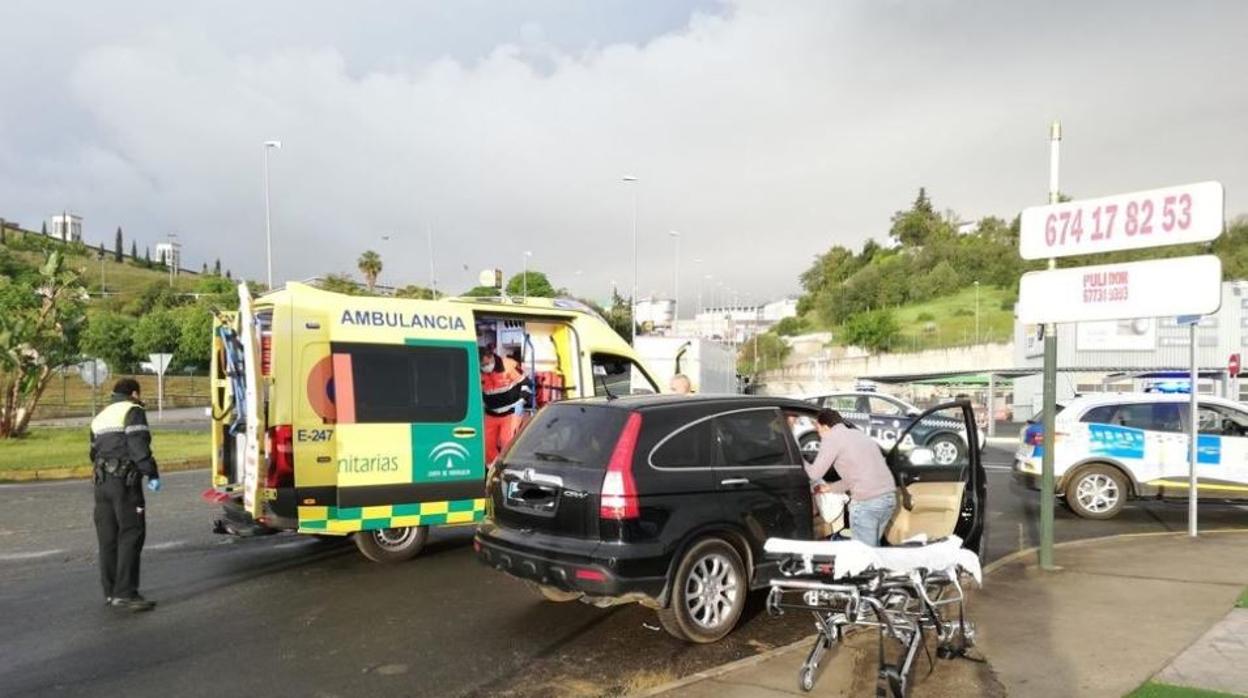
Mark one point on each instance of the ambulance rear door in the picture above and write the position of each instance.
(249, 447)
(409, 444)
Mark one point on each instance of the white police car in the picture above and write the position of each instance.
(884, 418)
(1115, 447)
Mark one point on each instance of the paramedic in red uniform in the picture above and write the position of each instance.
(502, 383)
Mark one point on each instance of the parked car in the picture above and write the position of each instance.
(1116, 447)
(667, 501)
(885, 418)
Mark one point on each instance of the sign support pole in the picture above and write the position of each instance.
(1047, 484)
(1193, 424)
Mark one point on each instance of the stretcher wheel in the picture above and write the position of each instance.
(806, 679)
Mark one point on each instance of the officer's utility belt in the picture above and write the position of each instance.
(114, 466)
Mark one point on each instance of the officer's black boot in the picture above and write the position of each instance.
(134, 604)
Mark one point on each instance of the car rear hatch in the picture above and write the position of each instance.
(550, 480)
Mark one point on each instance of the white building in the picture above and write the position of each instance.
(737, 324)
(169, 253)
(1131, 355)
(65, 227)
(656, 314)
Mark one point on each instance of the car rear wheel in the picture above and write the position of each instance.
(1097, 492)
(708, 593)
(947, 449)
(392, 544)
(553, 594)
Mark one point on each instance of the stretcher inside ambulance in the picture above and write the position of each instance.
(373, 417)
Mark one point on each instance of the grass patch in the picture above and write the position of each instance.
(1162, 690)
(1243, 600)
(67, 448)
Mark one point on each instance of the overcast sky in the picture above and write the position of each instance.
(764, 132)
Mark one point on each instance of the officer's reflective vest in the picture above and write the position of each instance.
(109, 431)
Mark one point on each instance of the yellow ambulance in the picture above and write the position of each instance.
(363, 416)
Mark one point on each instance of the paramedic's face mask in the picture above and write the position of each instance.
(487, 366)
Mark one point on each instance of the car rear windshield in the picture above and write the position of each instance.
(570, 434)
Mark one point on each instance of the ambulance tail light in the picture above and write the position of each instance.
(619, 490)
(280, 453)
(266, 354)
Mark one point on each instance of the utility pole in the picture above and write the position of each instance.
(1047, 480)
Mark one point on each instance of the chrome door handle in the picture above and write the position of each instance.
(734, 482)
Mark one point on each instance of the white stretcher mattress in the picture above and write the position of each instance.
(855, 557)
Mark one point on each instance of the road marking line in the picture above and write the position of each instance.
(167, 545)
(6, 557)
(1000, 468)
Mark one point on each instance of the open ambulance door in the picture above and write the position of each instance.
(249, 445)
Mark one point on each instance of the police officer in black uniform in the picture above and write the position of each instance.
(121, 450)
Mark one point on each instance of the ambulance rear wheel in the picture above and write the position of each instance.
(392, 544)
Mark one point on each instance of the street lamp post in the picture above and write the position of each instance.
(676, 282)
(169, 258)
(632, 301)
(524, 279)
(268, 219)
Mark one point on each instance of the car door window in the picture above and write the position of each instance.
(618, 375)
(1155, 416)
(887, 408)
(687, 448)
(840, 403)
(1215, 419)
(752, 438)
(1100, 415)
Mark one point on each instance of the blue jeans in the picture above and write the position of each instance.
(869, 518)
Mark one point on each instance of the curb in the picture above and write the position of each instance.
(722, 669)
(713, 672)
(85, 472)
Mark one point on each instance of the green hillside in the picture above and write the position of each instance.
(124, 280)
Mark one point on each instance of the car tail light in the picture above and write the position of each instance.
(280, 453)
(619, 490)
(591, 575)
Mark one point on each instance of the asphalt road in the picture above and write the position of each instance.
(287, 614)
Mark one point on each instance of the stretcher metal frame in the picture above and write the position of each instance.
(904, 607)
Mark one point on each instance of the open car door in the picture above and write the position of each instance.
(944, 489)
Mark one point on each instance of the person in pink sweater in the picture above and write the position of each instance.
(864, 475)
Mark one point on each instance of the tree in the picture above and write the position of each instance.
(790, 326)
(204, 270)
(157, 332)
(340, 283)
(369, 265)
(761, 350)
(538, 285)
(417, 292)
(44, 230)
(194, 337)
(117, 247)
(874, 330)
(480, 292)
(134, 251)
(216, 267)
(41, 318)
(147, 257)
(228, 274)
(914, 226)
(620, 316)
(110, 336)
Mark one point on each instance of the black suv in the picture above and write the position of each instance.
(668, 500)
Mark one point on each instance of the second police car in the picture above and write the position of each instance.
(1115, 447)
(885, 418)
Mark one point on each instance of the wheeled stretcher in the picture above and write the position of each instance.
(906, 592)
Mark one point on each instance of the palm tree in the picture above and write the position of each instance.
(370, 266)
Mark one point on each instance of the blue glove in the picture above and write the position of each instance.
(153, 484)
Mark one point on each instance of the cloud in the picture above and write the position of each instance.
(762, 132)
